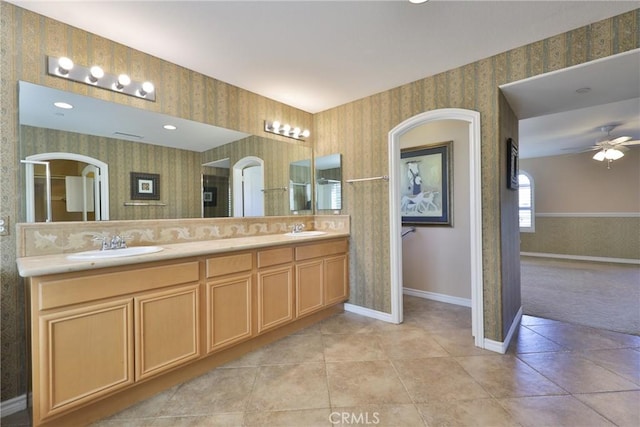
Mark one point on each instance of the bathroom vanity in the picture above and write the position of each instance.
(108, 332)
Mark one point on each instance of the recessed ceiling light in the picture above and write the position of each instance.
(418, 1)
(63, 105)
(169, 127)
(583, 90)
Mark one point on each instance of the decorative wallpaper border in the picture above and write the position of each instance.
(63, 237)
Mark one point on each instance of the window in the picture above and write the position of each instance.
(525, 202)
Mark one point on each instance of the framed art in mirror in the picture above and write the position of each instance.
(145, 186)
(425, 184)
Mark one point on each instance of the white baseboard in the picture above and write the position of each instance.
(352, 308)
(582, 258)
(465, 302)
(14, 405)
(501, 347)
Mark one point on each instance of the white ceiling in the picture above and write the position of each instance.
(316, 55)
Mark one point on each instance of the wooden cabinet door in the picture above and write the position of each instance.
(84, 353)
(336, 279)
(275, 297)
(167, 329)
(309, 289)
(228, 311)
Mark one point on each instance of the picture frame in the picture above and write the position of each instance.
(145, 186)
(210, 196)
(512, 164)
(425, 184)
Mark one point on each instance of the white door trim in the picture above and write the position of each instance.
(475, 212)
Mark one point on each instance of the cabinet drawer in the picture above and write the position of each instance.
(79, 289)
(276, 256)
(316, 250)
(228, 264)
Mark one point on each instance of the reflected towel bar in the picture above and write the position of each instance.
(375, 178)
(144, 204)
(264, 190)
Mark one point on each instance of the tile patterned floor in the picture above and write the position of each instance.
(351, 370)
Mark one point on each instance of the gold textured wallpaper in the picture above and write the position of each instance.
(357, 130)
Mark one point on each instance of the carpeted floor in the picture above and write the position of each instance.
(600, 295)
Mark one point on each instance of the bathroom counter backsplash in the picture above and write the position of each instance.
(36, 239)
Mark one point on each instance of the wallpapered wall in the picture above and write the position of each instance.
(358, 130)
(26, 39)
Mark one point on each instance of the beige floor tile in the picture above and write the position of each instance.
(437, 378)
(148, 408)
(352, 347)
(220, 390)
(507, 376)
(222, 420)
(251, 359)
(624, 362)
(136, 422)
(553, 411)
(293, 349)
(361, 383)
(406, 415)
(410, 344)
(527, 341)
(288, 387)
(459, 342)
(305, 417)
(348, 323)
(479, 412)
(575, 373)
(622, 407)
(575, 337)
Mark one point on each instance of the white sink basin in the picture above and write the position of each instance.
(306, 233)
(114, 253)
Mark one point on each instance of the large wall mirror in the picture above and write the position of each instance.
(195, 164)
(329, 182)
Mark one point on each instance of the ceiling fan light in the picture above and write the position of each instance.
(613, 154)
(599, 156)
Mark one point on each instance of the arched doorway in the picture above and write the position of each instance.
(248, 183)
(472, 118)
(95, 167)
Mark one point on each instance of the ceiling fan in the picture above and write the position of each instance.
(611, 149)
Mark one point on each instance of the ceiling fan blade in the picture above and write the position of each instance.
(622, 148)
(619, 140)
(634, 142)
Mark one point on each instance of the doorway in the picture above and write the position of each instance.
(77, 190)
(472, 120)
(248, 186)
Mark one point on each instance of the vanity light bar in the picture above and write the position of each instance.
(64, 67)
(286, 130)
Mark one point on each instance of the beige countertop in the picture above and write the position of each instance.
(55, 264)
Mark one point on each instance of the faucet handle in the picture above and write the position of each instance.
(105, 242)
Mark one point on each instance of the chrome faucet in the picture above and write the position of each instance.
(297, 228)
(109, 243)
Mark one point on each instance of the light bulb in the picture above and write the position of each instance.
(286, 129)
(95, 73)
(305, 133)
(276, 126)
(296, 132)
(64, 65)
(599, 156)
(147, 87)
(123, 80)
